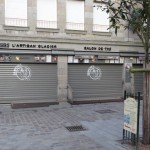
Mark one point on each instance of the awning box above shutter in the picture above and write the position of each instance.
(63, 52)
(6, 51)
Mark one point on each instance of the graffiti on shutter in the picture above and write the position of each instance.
(94, 72)
(22, 72)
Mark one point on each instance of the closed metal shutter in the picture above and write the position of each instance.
(138, 79)
(84, 87)
(36, 82)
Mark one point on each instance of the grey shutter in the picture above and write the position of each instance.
(138, 79)
(42, 85)
(109, 85)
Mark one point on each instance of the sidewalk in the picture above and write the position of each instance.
(44, 128)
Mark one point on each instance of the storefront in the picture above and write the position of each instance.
(94, 82)
(40, 72)
(27, 77)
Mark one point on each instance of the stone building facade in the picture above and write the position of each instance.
(40, 64)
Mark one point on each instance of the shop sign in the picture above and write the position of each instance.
(84, 56)
(97, 48)
(130, 115)
(23, 58)
(39, 46)
(27, 46)
(5, 58)
(4, 45)
(108, 57)
(23, 45)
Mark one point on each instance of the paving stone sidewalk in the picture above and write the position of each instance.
(44, 128)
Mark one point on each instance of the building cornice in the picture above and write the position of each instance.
(65, 40)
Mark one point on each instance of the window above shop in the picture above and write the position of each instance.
(100, 18)
(16, 13)
(75, 14)
(47, 13)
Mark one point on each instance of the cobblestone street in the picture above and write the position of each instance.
(44, 128)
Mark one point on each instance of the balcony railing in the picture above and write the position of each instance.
(46, 24)
(16, 22)
(101, 28)
(75, 26)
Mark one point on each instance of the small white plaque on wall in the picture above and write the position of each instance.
(48, 58)
(70, 59)
(86, 60)
(76, 60)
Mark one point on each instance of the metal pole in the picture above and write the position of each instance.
(125, 95)
(138, 118)
(123, 136)
(124, 132)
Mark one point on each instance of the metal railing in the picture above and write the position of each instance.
(101, 28)
(46, 24)
(53, 24)
(74, 26)
(16, 22)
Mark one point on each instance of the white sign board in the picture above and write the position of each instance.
(130, 115)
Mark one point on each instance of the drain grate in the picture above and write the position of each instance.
(75, 128)
(105, 111)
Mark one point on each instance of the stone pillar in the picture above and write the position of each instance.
(88, 16)
(62, 72)
(32, 14)
(61, 15)
(2, 13)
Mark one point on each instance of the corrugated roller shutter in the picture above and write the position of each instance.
(83, 86)
(138, 79)
(36, 82)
